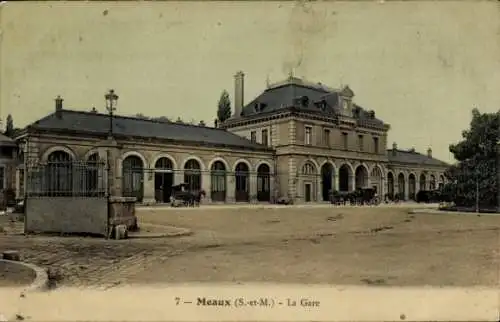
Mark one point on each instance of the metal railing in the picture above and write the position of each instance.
(66, 179)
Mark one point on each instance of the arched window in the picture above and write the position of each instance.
(423, 184)
(344, 175)
(432, 183)
(361, 177)
(242, 174)
(376, 179)
(263, 183)
(401, 186)
(390, 185)
(59, 174)
(412, 186)
(218, 177)
(92, 175)
(164, 179)
(133, 177)
(192, 175)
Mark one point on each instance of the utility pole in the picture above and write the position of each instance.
(477, 193)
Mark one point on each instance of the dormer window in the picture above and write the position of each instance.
(345, 104)
(356, 112)
(304, 101)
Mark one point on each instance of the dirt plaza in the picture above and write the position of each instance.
(336, 245)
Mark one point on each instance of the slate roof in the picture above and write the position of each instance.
(96, 123)
(285, 94)
(6, 141)
(413, 157)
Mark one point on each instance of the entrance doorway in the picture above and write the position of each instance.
(326, 181)
(242, 174)
(307, 192)
(263, 183)
(133, 177)
(163, 186)
(164, 179)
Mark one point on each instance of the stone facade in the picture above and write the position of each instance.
(322, 152)
(303, 141)
(79, 148)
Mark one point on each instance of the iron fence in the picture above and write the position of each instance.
(90, 179)
(66, 179)
(244, 186)
(240, 185)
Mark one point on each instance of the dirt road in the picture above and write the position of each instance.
(374, 246)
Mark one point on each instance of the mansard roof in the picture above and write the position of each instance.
(306, 97)
(98, 124)
(6, 141)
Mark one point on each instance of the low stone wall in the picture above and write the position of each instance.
(66, 215)
(122, 212)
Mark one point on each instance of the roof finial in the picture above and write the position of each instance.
(290, 74)
(268, 81)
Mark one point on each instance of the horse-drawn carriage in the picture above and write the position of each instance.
(183, 197)
(360, 196)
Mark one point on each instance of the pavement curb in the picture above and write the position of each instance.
(41, 277)
(178, 232)
(447, 212)
(275, 206)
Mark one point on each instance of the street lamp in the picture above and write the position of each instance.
(111, 103)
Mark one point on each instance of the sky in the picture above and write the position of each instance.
(421, 65)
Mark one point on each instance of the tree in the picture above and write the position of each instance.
(224, 107)
(141, 116)
(477, 165)
(9, 127)
(162, 119)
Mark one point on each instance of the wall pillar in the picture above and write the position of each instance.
(253, 187)
(317, 182)
(19, 183)
(148, 187)
(382, 188)
(407, 189)
(335, 179)
(206, 185)
(178, 176)
(352, 182)
(273, 190)
(110, 154)
(103, 170)
(230, 188)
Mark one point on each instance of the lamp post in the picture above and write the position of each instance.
(111, 103)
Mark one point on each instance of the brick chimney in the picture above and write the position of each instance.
(429, 152)
(239, 91)
(59, 106)
(394, 148)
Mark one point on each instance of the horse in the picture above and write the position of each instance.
(195, 197)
